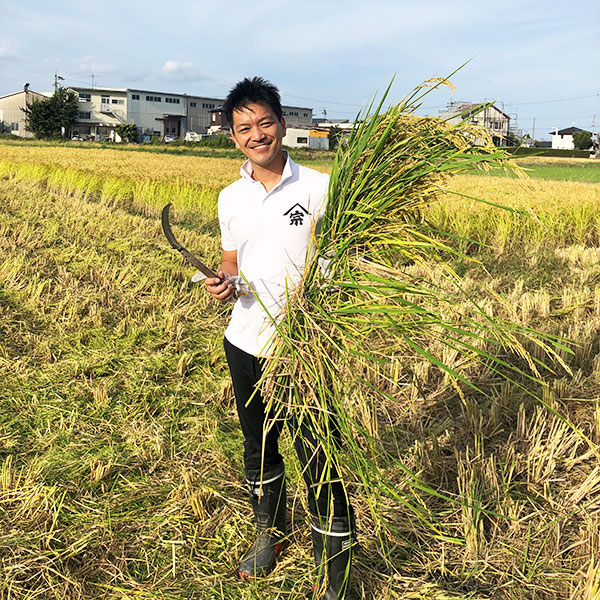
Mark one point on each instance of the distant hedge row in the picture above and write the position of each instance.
(521, 151)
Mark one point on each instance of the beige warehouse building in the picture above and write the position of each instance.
(12, 117)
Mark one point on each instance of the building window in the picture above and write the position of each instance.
(153, 98)
(14, 127)
(306, 115)
(193, 104)
(302, 140)
(135, 96)
(118, 101)
(172, 100)
(85, 115)
(207, 105)
(85, 97)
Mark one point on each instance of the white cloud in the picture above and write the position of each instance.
(181, 71)
(90, 64)
(6, 54)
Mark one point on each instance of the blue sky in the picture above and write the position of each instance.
(537, 59)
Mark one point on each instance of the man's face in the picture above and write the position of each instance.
(258, 134)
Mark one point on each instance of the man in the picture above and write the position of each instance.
(267, 220)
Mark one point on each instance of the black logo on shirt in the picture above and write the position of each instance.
(296, 214)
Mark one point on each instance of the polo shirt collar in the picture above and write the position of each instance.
(288, 169)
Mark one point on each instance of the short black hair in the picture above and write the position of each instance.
(252, 91)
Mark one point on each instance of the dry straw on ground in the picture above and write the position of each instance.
(120, 450)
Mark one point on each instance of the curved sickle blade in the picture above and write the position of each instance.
(166, 227)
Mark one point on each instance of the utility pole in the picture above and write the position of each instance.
(57, 78)
(533, 130)
(26, 90)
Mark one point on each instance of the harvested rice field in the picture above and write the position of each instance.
(120, 451)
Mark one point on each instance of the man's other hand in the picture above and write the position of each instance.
(219, 287)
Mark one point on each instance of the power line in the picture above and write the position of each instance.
(546, 119)
(550, 101)
(322, 101)
(517, 104)
(87, 83)
(71, 78)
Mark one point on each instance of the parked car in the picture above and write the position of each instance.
(192, 136)
(169, 138)
(77, 138)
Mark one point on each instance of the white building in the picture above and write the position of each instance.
(306, 137)
(342, 124)
(563, 139)
(100, 109)
(155, 113)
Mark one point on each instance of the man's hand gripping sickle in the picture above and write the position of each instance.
(221, 285)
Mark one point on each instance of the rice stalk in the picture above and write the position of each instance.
(379, 298)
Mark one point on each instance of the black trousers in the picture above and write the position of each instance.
(246, 370)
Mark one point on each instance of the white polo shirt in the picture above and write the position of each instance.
(272, 233)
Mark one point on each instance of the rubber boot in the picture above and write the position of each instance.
(333, 542)
(268, 503)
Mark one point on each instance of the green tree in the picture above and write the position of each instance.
(127, 131)
(512, 140)
(46, 118)
(335, 135)
(582, 140)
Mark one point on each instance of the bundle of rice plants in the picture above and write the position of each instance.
(379, 295)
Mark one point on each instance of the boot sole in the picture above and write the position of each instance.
(277, 549)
